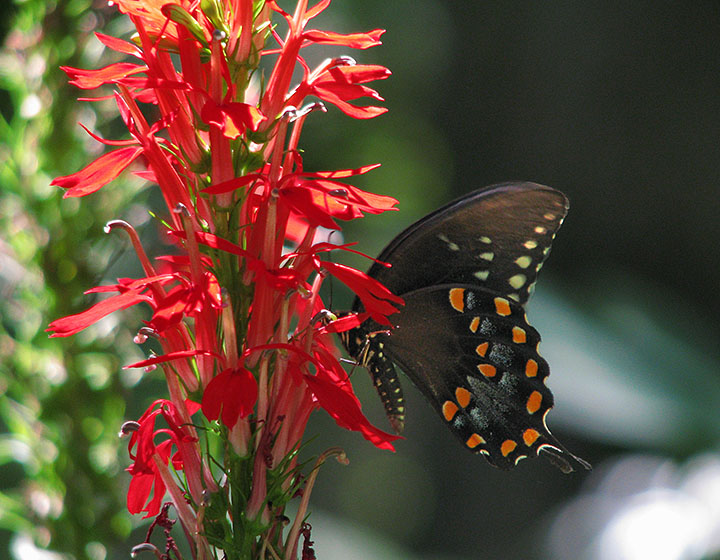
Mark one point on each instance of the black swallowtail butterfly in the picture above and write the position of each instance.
(465, 272)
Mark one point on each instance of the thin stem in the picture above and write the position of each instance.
(291, 542)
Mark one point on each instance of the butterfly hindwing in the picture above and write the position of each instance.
(478, 365)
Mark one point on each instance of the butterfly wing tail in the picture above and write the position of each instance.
(560, 457)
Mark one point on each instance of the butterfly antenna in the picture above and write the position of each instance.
(330, 257)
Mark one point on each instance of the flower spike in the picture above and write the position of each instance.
(236, 324)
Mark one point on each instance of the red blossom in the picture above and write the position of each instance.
(150, 13)
(146, 480)
(378, 301)
(230, 395)
(341, 84)
(352, 40)
(343, 324)
(298, 37)
(345, 410)
(170, 356)
(322, 202)
(319, 200)
(119, 45)
(131, 293)
(232, 118)
(186, 299)
(332, 388)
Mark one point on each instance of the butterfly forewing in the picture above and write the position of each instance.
(497, 238)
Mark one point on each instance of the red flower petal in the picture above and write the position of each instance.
(352, 40)
(316, 207)
(178, 355)
(346, 411)
(139, 491)
(90, 79)
(118, 45)
(341, 84)
(352, 197)
(343, 324)
(230, 395)
(343, 173)
(100, 172)
(73, 324)
(374, 296)
(296, 229)
(232, 118)
(321, 201)
(357, 74)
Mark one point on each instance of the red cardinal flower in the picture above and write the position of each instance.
(231, 395)
(186, 299)
(146, 480)
(339, 82)
(376, 298)
(236, 318)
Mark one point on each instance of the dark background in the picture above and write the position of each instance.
(616, 105)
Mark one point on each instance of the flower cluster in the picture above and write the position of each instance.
(246, 345)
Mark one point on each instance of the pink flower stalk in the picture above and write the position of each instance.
(241, 332)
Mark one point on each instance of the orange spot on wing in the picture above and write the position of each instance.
(457, 299)
(482, 349)
(463, 396)
(507, 447)
(534, 402)
(502, 306)
(531, 368)
(449, 410)
(519, 336)
(530, 436)
(487, 370)
(474, 440)
(474, 324)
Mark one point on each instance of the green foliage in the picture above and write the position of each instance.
(62, 400)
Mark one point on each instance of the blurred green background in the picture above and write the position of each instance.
(616, 105)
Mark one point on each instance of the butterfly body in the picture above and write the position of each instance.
(465, 273)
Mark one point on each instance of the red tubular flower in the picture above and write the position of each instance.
(146, 480)
(320, 202)
(279, 82)
(233, 119)
(184, 300)
(344, 407)
(376, 298)
(317, 197)
(131, 293)
(339, 82)
(332, 390)
(231, 395)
